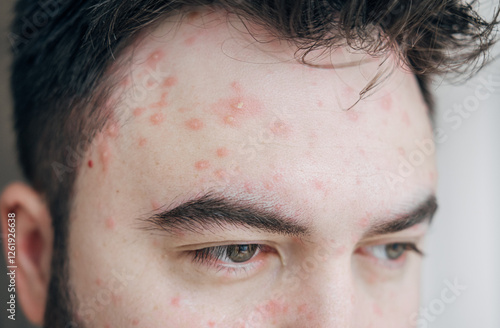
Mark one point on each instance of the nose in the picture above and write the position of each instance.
(325, 298)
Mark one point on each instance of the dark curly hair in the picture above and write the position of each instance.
(64, 51)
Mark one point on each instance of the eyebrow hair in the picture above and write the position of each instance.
(423, 211)
(212, 211)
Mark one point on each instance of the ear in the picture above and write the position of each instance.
(26, 224)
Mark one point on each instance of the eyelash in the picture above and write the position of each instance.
(212, 257)
(387, 262)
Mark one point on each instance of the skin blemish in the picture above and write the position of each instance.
(401, 151)
(156, 119)
(169, 82)
(98, 282)
(138, 111)
(377, 310)
(386, 103)
(405, 118)
(175, 301)
(90, 163)
(232, 111)
(280, 128)
(110, 223)
(142, 142)
(135, 322)
(183, 109)
(162, 103)
(320, 103)
(318, 184)
(221, 174)
(190, 41)
(194, 124)
(202, 165)
(352, 116)
(222, 152)
(211, 323)
(155, 204)
(273, 308)
(230, 120)
(113, 130)
(154, 58)
(105, 155)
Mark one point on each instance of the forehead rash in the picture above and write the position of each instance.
(280, 128)
(405, 118)
(386, 102)
(110, 223)
(234, 110)
(154, 58)
(157, 118)
(202, 165)
(138, 111)
(194, 124)
(222, 152)
(162, 103)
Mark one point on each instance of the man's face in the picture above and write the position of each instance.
(237, 190)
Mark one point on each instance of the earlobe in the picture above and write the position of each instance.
(33, 246)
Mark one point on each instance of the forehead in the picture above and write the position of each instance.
(203, 105)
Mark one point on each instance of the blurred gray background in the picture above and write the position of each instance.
(464, 243)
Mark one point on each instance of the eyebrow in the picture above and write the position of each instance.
(214, 212)
(422, 212)
(211, 211)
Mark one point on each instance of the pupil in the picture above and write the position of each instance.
(241, 253)
(394, 251)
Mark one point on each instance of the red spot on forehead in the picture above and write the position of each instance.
(401, 151)
(211, 323)
(142, 142)
(352, 116)
(386, 103)
(110, 223)
(236, 86)
(98, 282)
(221, 174)
(175, 301)
(138, 111)
(162, 103)
(169, 82)
(280, 128)
(135, 322)
(90, 163)
(405, 118)
(190, 41)
(113, 130)
(155, 204)
(154, 58)
(202, 165)
(156, 119)
(105, 154)
(194, 124)
(318, 184)
(222, 152)
(320, 103)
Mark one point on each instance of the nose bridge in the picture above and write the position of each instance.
(328, 296)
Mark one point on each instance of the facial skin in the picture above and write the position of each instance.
(203, 109)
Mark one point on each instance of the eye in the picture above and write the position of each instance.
(230, 255)
(391, 252)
